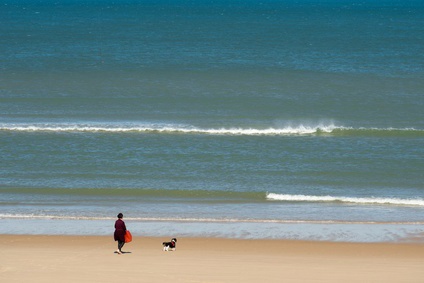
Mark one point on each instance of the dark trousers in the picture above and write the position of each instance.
(120, 245)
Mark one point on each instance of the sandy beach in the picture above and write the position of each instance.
(29, 258)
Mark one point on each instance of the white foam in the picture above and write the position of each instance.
(289, 129)
(164, 128)
(357, 200)
(201, 220)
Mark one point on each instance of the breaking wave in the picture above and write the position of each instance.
(321, 129)
(353, 200)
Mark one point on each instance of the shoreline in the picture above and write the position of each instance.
(45, 258)
(362, 233)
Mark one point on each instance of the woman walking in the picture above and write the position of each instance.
(120, 230)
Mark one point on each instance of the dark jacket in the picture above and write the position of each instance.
(120, 230)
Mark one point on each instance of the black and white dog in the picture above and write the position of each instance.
(170, 246)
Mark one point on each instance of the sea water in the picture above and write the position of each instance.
(242, 119)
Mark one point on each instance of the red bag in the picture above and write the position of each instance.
(128, 236)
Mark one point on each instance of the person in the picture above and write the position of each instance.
(120, 230)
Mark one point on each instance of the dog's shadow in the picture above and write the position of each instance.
(115, 252)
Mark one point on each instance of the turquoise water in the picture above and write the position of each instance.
(279, 119)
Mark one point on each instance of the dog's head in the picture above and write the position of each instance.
(174, 240)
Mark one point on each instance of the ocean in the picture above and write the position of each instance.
(274, 119)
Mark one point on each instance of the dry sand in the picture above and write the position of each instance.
(28, 258)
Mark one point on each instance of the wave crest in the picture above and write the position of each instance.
(321, 129)
(353, 200)
(158, 128)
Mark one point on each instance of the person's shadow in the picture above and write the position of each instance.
(123, 252)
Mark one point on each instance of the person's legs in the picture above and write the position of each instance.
(120, 245)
